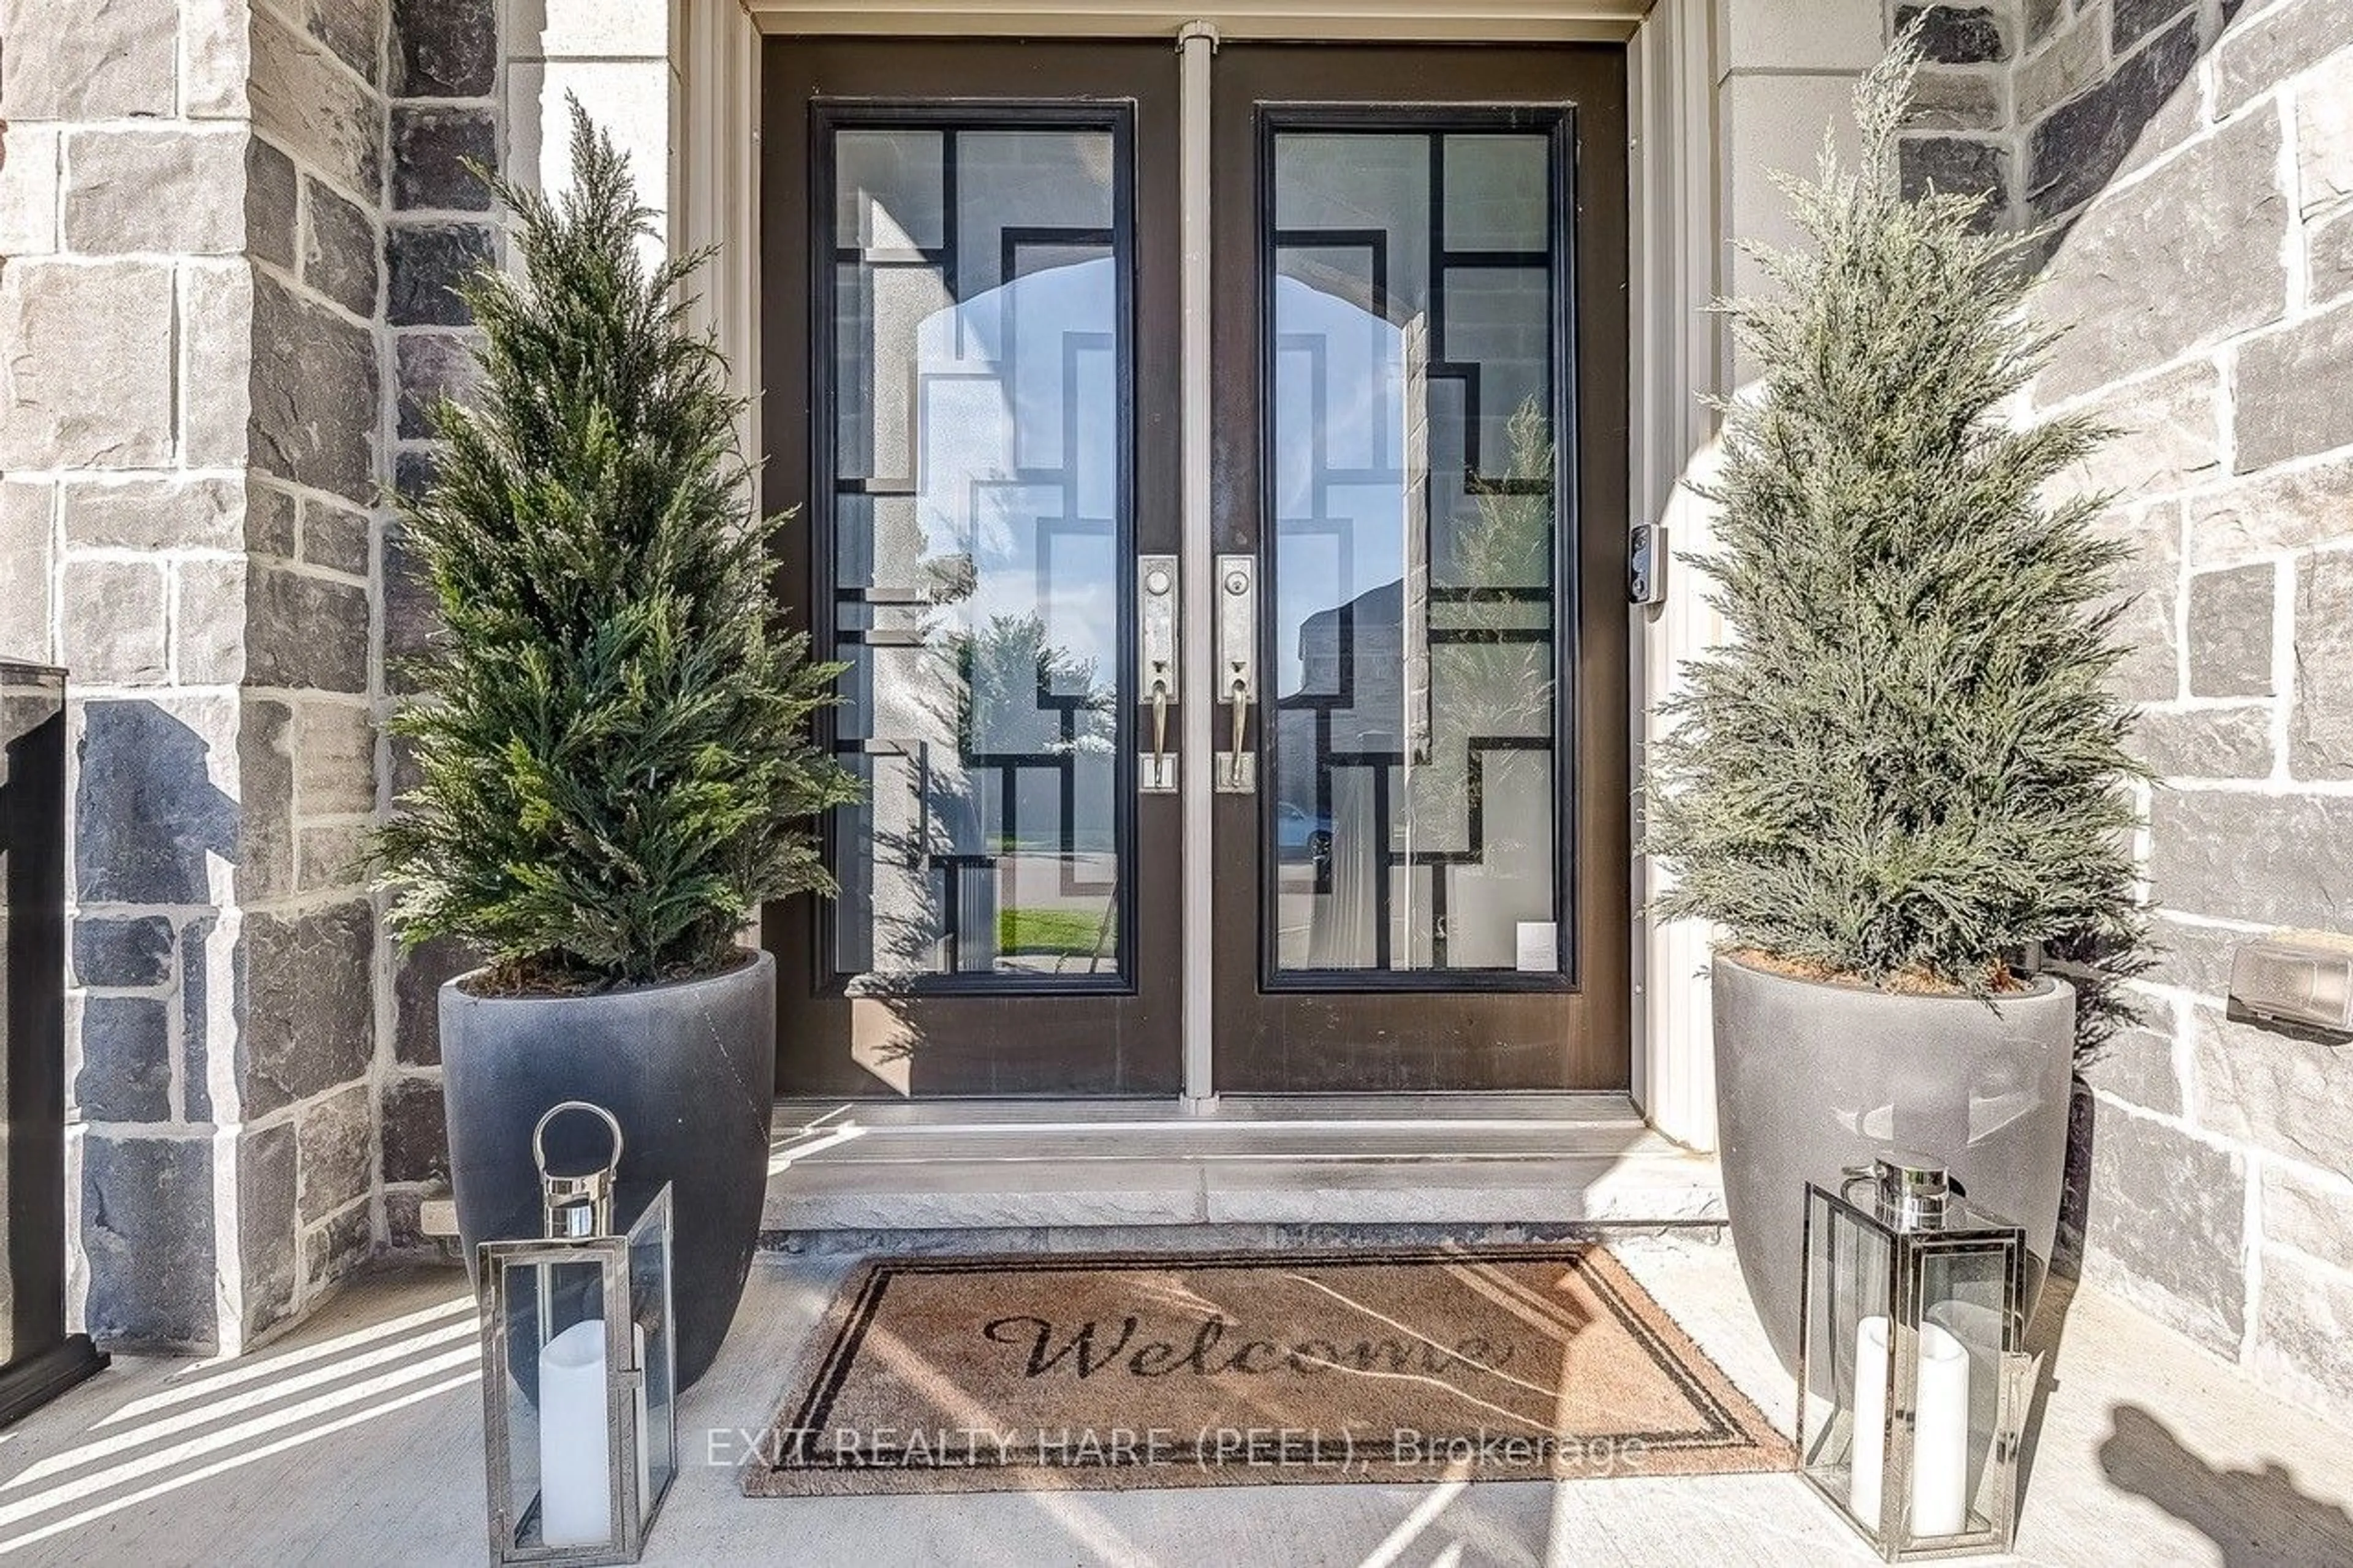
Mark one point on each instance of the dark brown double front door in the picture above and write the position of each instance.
(1406, 617)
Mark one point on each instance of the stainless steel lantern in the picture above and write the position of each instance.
(579, 1377)
(1912, 1383)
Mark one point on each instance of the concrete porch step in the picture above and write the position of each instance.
(1245, 1172)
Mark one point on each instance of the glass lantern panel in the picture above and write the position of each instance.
(1847, 1282)
(1964, 1313)
(558, 1447)
(650, 1317)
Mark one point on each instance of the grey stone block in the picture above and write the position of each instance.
(431, 145)
(309, 1010)
(264, 774)
(412, 617)
(115, 60)
(2261, 50)
(413, 473)
(2144, 600)
(306, 633)
(444, 48)
(2071, 154)
(270, 521)
(2195, 958)
(337, 1139)
(341, 252)
(208, 622)
(2309, 1211)
(165, 189)
(2276, 1090)
(124, 952)
(331, 858)
(147, 813)
(2300, 1336)
(338, 538)
(433, 365)
(216, 331)
(2169, 429)
(336, 1247)
(417, 980)
(2320, 724)
(147, 1227)
(2137, 1065)
(90, 376)
(154, 514)
(196, 939)
(2133, 20)
(2040, 17)
(314, 393)
(1956, 34)
(2074, 60)
(2230, 632)
(2206, 742)
(416, 1133)
(1956, 101)
(28, 513)
(426, 262)
(268, 1171)
(353, 29)
(2285, 860)
(112, 622)
(402, 1232)
(2328, 257)
(2165, 1224)
(1958, 165)
(126, 1060)
(2267, 513)
(2184, 258)
(2295, 391)
(311, 103)
(334, 760)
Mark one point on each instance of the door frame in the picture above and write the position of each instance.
(711, 120)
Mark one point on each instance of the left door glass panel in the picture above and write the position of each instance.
(978, 525)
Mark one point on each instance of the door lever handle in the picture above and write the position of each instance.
(1159, 718)
(1239, 687)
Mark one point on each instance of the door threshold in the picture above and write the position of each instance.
(924, 1174)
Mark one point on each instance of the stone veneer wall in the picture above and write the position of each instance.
(191, 415)
(2201, 158)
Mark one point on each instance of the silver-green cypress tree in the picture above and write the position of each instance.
(1907, 768)
(612, 737)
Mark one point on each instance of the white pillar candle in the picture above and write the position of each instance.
(1870, 1420)
(1940, 1438)
(1940, 1431)
(576, 1500)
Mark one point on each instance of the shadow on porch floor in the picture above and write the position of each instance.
(358, 1441)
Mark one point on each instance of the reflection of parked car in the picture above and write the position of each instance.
(1300, 833)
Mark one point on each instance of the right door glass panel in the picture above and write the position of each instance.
(1413, 535)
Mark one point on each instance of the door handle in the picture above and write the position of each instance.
(1237, 684)
(1237, 658)
(1155, 626)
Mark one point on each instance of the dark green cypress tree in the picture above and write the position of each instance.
(612, 736)
(1909, 767)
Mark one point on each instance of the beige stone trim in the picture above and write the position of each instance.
(1479, 21)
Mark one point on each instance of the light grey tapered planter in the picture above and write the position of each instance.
(690, 1072)
(1812, 1079)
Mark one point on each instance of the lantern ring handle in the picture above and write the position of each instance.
(538, 1133)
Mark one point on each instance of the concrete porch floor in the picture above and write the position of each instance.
(357, 1441)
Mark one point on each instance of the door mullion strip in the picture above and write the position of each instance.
(1197, 42)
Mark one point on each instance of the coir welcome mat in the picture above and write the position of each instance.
(985, 1374)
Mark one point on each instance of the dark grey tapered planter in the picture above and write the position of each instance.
(689, 1069)
(1812, 1079)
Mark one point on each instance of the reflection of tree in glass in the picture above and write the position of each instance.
(1497, 687)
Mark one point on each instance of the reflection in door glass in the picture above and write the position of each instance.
(978, 525)
(1411, 478)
